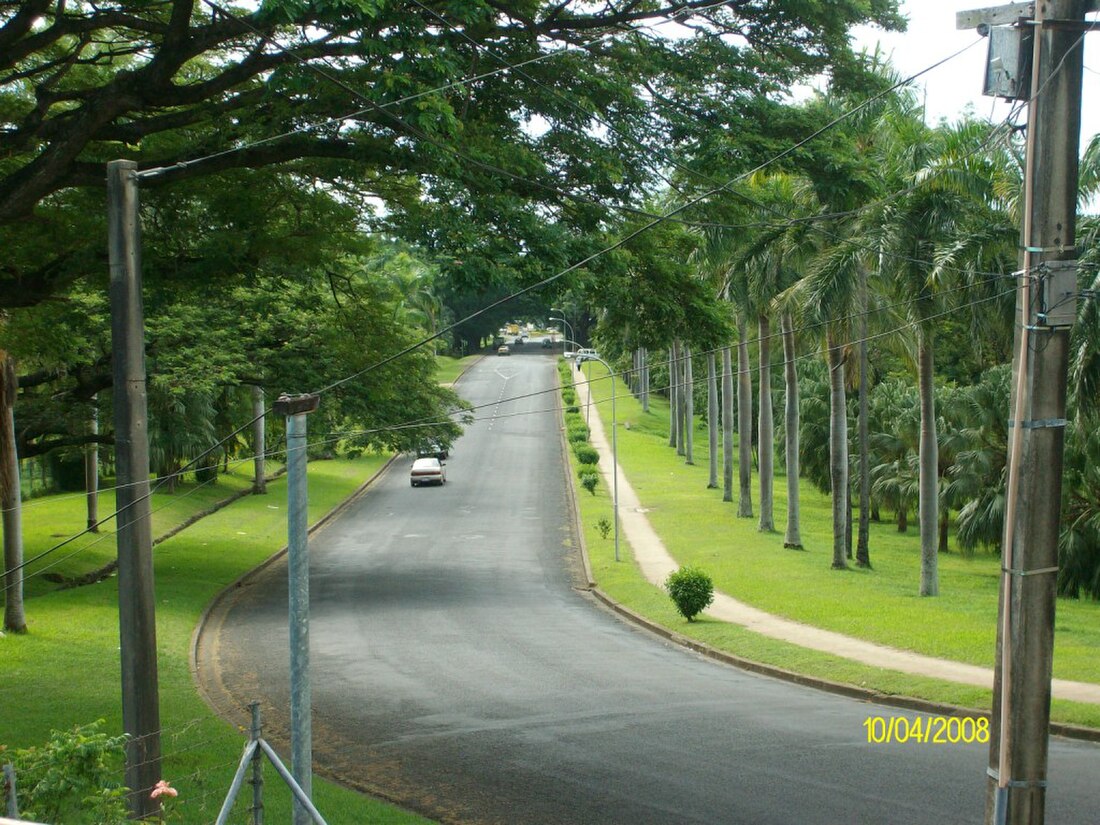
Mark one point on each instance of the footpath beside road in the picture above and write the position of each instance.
(655, 563)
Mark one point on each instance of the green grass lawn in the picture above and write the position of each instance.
(67, 666)
(880, 605)
(447, 369)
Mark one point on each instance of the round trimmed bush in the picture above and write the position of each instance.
(586, 453)
(589, 480)
(691, 590)
(577, 433)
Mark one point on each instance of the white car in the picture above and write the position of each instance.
(427, 471)
(587, 355)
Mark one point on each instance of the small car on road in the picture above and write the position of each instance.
(427, 471)
(503, 350)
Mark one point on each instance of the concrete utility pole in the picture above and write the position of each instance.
(1045, 309)
(301, 721)
(136, 598)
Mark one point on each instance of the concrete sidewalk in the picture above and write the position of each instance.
(656, 563)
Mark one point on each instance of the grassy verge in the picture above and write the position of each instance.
(447, 369)
(879, 605)
(67, 666)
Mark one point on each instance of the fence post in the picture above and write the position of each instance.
(9, 785)
(257, 781)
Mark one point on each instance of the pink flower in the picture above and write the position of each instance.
(162, 788)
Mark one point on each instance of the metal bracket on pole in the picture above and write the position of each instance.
(296, 404)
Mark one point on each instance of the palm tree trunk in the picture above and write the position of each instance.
(903, 520)
(259, 482)
(15, 620)
(712, 419)
(744, 422)
(838, 450)
(793, 537)
(91, 471)
(929, 470)
(727, 424)
(863, 548)
(673, 408)
(944, 525)
(766, 430)
(689, 408)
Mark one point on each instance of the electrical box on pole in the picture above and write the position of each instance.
(1008, 62)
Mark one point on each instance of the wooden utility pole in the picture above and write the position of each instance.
(136, 598)
(1016, 790)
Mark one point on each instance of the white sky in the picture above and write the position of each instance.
(932, 35)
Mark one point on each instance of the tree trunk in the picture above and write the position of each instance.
(766, 430)
(673, 407)
(903, 520)
(727, 424)
(838, 450)
(793, 537)
(929, 470)
(863, 545)
(15, 620)
(875, 515)
(91, 471)
(681, 402)
(944, 524)
(259, 482)
(848, 524)
(689, 408)
(712, 419)
(744, 422)
(645, 380)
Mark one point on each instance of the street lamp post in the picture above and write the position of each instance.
(614, 442)
(568, 326)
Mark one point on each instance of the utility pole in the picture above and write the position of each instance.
(259, 482)
(295, 408)
(136, 599)
(1045, 309)
(91, 468)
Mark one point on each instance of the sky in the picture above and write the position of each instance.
(932, 36)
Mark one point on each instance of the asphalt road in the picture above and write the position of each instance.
(459, 671)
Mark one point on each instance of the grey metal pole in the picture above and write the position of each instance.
(614, 460)
(91, 469)
(257, 781)
(259, 484)
(301, 734)
(136, 597)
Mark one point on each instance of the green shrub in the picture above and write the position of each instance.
(691, 590)
(604, 526)
(589, 480)
(73, 778)
(577, 433)
(573, 409)
(569, 396)
(585, 453)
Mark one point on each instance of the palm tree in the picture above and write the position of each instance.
(944, 184)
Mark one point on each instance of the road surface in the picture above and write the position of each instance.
(460, 670)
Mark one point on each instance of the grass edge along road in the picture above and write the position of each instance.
(877, 605)
(67, 666)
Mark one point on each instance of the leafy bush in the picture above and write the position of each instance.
(569, 396)
(573, 409)
(73, 778)
(691, 590)
(586, 453)
(604, 526)
(579, 433)
(589, 480)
